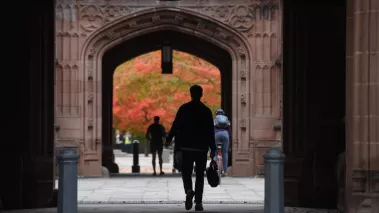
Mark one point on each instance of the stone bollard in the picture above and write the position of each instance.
(274, 181)
(68, 181)
(135, 167)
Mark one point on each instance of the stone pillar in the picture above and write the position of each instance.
(76, 95)
(265, 39)
(362, 162)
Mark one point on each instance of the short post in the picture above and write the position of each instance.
(274, 181)
(68, 181)
(135, 167)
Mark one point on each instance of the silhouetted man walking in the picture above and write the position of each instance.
(155, 134)
(194, 134)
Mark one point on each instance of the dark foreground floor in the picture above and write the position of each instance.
(172, 208)
(154, 208)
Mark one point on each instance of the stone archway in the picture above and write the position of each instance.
(253, 48)
(151, 42)
(188, 23)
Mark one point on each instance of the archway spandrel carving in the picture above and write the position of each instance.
(242, 18)
(112, 12)
(241, 15)
(91, 18)
(170, 16)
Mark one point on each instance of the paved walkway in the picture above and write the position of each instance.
(125, 162)
(157, 208)
(166, 190)
(163, 208)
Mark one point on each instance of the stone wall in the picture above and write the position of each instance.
(249, 30)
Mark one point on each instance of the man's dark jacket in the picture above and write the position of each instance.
(193, 128)
(155, 133)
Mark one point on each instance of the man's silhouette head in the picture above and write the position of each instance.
(156, 119)
(196, 92)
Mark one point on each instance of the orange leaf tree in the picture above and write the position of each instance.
(141, 92)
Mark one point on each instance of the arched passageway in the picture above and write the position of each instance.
(147, 43)
(146, 31)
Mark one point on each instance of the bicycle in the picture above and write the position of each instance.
(220, 166)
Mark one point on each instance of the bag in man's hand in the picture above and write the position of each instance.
(212, 175)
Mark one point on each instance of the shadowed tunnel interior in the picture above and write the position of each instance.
(314, 76)
(151, 42)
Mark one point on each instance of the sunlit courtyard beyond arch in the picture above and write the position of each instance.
(141, 91)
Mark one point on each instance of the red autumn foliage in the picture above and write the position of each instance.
(142, 92)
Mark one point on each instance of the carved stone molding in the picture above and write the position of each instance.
(243, 75)
(93, 51)
(65, 2)
(243, 124)
(90, 74)
(111, 34)
(239, 15)
(90, 98)
(241, 51)
(111, 12)
(91, 17)
(128, 27)
(155, 18)
(90, 124)
(69, 63)
(243, 99)
(65, 143)
(67, 34)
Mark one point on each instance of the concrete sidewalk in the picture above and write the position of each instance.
(125, 162)
(157, 208)
(163, 208)
(167, 190)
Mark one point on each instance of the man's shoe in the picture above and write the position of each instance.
(162, 173)
(199, 207)
(189, 199)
